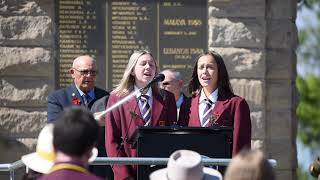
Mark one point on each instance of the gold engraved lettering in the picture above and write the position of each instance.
(70, 36)
(118, 32)
(174, 66)
(71, 17)
(125, 18)
(124, 13)
(71, 12)
(179, 56)
(118, 27)
(71, 2)
(194, 22)
(196, 50)
(124, 8)
(121, 22)
(176, 51)
(68, 21)
(174, 22)
(120, 3)
(66, 46)
(65, 31)
(170, 33)
(70, 41)
(119, 56)
(67, 7)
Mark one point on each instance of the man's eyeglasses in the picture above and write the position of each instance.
(168, 82)
(165, 84)
(87, 72)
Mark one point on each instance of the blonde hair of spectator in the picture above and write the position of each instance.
(249, 165)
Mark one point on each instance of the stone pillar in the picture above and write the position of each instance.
(257, 40)
(26, 73)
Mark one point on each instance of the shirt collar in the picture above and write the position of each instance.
(149, 92)
(90, 93)
(213, 96)
(179, 101)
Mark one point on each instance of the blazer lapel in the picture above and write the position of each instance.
(157, 106)
(73, 93)
(218, 108)
(194, 117)
(134, 113)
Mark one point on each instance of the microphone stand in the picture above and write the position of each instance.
(99, 115)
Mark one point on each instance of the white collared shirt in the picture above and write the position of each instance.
(150, 99)
(202, 103)
(179, 103)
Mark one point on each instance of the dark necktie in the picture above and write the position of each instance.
(86, 99)
(146, 110)
(207, 112)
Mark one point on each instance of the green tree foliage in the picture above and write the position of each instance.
(309, 37)
(301, 174)
(308, 110)
(309, 3)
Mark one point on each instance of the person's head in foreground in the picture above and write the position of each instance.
(41, 161)
(75, 134)
(249, 165)
(185, 165)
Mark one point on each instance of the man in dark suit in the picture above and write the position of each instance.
(75, 134)
(173, 83)
(105, 170)
(82, 92)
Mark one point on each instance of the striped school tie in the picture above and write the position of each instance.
(207, 113)
(146, 110)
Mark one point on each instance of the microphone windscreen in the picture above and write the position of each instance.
(161, 77)
(314, 168)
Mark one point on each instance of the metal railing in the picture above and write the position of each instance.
(129, 161)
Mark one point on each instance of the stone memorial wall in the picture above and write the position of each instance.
(256, 38)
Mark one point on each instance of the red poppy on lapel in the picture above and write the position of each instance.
(75, 100)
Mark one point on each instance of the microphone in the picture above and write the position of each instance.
(314, 168)
(160, 77)
(99, 115)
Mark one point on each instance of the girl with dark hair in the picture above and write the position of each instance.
(213, 101)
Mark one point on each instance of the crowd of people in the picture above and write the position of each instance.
(72, 132)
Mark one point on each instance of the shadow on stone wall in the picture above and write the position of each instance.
(16, 150)
(27, 7)
(14, 146)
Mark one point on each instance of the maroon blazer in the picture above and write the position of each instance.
(68, 174)
(121, 122)
(231, 111)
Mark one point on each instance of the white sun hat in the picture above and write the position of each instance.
(43, 159)
(185, 165)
